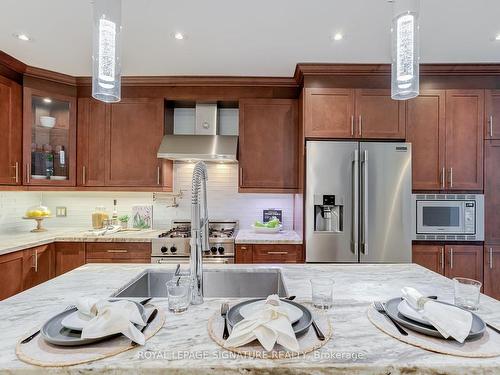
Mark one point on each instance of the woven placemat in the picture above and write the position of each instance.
(307, 343)
(486, 346)
(40, 353)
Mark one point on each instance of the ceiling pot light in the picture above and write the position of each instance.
(338, 36)
(106, 50)
(22, 37)
(405, 49)
(497, 37)
(179, 36)
(47, 100)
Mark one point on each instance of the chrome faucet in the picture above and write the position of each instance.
(199, 229)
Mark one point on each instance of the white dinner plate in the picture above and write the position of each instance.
(405, 309)
(75, 321)
(294, 313)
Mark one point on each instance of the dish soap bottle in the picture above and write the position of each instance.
(114, 216)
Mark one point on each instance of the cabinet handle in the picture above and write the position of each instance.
(451, 177)
(28, 173)
(491, 258)
(442, 259)
(443, 177)
(352, 125)
(117, 251)
(491, 126)
(451, 258)
(277, 252)
(360, 125)
(35, 263)
(84, 175)
(243, 248)
(241, 176)
(158, 175)
(16, 172)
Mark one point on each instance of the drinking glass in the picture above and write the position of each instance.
(467, 292)
(179, 294)
(322, 292)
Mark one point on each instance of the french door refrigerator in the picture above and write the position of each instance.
(358, 202)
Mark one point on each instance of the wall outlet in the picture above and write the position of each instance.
(60, 211)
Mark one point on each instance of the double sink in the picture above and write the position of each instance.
(217, 283)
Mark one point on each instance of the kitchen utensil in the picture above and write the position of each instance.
(300, 327)
(294, 313)
(47, 121)
(319, 334)
(33, 335)
(381, 309)
(223, 312)
(467, 293)
(152, 317)
(322, 292)
(291, 298)
(391, 307)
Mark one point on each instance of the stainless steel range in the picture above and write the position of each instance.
(172, 247)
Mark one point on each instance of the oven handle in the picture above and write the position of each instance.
(186, 260)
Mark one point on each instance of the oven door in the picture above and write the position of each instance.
(185, 260)
(440, 217)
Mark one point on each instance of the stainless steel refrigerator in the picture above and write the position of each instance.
(358, 202)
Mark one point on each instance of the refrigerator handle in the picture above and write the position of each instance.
(364, 204)
(355, 203)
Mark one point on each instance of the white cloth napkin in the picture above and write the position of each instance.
(269, 325)
(108, 318)
(447, 319)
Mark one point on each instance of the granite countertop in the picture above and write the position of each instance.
(184, 347)
(23, 240)
(248, 236)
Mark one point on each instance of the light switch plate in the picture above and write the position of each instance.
(60, 211)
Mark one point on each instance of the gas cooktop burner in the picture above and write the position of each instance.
(221, 233)
(215, 231)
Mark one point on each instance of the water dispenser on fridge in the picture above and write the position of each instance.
(328, 213)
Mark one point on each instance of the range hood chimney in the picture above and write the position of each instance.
(205, 144)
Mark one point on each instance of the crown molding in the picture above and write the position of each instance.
(50, 75)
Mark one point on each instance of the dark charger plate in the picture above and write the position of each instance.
(300, 327)
(391, 306)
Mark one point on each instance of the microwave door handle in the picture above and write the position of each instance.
(364, 205)
(355, 203)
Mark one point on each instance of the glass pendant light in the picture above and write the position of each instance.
(405, 49)
(106, 50)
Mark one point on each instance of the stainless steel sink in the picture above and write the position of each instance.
(216, 283)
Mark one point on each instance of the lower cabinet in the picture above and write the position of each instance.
(429, 256)
(269, 253)
(38, 265)
(492, 271)
(118, 252)
(11, 274)
(68, 256)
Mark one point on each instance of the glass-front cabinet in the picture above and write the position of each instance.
(49, 138)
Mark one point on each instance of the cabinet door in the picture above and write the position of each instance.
(492, 271)
(329, 113)
(11, 128)
(425, 129)
(277, 253)
(134, 252)
(492, 123)
(243, 254)
(268, 149)
(429, 256)
(92, 128)
(464, 261)
(379, 116)
(38, 265)
(492, 191)
(134, 135)
(68, 256)
(464, 139)
(11, 274)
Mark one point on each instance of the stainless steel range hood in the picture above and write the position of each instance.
(205, 144)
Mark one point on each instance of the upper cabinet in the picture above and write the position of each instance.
(118, 143)
(446, 130)
(492, 123)
(11, 132)
(268, 147)
(49, 139)
(350, 113)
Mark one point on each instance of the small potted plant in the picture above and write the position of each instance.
(124, 221)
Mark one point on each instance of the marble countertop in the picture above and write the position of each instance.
(248, 236)
(23, 240)
(184, 347)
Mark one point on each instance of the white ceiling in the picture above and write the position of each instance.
(245, 37)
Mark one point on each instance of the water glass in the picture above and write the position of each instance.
(467, 292)
(179, 294)
(322, 292)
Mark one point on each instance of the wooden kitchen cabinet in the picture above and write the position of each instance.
(49, 150)
(492, 192)
(11, 274)
(68, 256)
(353, 113)
(492, 271)
(425, 129)
(38, 265)
(492, 123)
(244, 254)
(464, 139)
(117, 144)
(271, 253)
(11, 128)
(268, 145)
(118, 252)
(430, 257)
(464, 261)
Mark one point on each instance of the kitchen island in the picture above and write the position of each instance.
(184, 347)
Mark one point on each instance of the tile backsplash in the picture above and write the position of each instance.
(224, 202)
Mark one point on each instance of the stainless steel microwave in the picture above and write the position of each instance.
(448, 217)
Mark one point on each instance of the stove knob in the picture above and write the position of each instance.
(220, 250)
(164, 249)
(213, 250)
(173, 249)
(206, 252)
